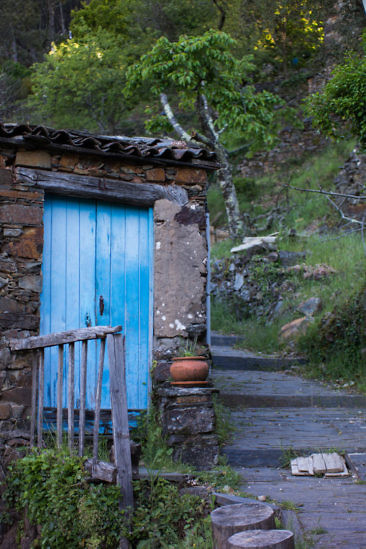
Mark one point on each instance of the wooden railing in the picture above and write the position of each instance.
(118, 393)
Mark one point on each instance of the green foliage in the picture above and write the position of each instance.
(162, 515)
(290, 33)
(337, 340)
(205, 65)
(51, 486)
(223, 425)
(79, 83)
(341, 106)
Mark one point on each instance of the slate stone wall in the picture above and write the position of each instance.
(188, 422)
(179, 275)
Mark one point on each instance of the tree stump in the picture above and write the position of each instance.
(230, 519)
(262, 539)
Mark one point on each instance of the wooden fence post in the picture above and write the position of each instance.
(122, 450)
(40, 397)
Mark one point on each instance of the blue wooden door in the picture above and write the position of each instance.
(97, 271)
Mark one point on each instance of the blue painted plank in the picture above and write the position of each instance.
(132, 307)
(87, 290)
(103, 286)
(72, 261)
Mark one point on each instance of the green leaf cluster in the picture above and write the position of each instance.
(205, 65)
(51, 486)
(340, 109)
(79, 83)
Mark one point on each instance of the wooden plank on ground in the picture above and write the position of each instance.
(60, 338)
(295, 469)
(318, 464)
(333, 462)
(305, 465)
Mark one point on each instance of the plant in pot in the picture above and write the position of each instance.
(189, 367)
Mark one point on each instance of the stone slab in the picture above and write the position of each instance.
(226, 358)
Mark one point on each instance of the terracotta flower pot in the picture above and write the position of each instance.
(189, 368)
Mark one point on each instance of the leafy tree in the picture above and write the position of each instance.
(289, 32)
(341, 106)
(207, 81)
(79, 83)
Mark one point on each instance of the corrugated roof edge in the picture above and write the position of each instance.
(139, 149)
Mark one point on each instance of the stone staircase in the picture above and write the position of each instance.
(276, 414)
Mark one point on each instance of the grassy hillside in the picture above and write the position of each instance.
(335, 341)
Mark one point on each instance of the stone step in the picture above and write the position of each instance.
(270, 457)
(225, 340)
(242, 400)
(226, 358)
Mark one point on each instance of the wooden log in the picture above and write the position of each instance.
(60, 374)
(98, 398)
(71, 397)
(40, 397)
(262, 539)
(134, 194)
(230, 519)
(34, 398)
(83, 375)
(121, 438)
(60, 338)
(101, 470)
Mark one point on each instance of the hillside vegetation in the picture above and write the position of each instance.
(334, 341)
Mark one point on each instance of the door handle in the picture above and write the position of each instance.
(101, 305)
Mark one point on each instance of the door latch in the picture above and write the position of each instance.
(87, 320)
(101, 305)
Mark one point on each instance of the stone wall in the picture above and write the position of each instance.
(180, 261)
(188, 422)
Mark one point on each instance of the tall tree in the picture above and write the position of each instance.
(202, 77)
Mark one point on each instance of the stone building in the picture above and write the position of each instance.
(98, 230)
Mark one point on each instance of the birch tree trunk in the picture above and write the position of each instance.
(225, 179)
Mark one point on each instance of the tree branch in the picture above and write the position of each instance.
(350, 219)
(222, 14)
(329, 193)
(208, 118)
(174, 122)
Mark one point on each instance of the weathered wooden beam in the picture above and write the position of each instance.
(71, 396)
(40, 397)
(60, 338)
(101, 470)
(60, 373)
(98, 399)
(121, 437)
(134, 194)
(83, 374)
(34, 398)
